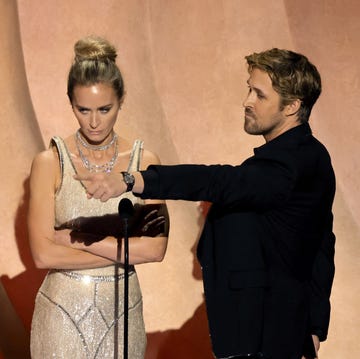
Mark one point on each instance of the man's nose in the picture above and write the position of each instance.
(249, 100)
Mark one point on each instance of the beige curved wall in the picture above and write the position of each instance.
(20, 140)
(183, 64)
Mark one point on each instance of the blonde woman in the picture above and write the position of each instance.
(78, 239)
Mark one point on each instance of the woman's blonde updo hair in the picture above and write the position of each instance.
(94, 63)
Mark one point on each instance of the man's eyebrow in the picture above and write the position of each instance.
(256, 89)
(259, 90)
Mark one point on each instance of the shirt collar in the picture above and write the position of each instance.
(289, 138)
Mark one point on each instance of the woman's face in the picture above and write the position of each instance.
(96, 108)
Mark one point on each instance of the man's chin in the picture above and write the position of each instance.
(252, 131)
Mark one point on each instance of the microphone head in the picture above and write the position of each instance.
(126, 209)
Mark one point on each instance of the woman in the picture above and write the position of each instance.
(77, 238)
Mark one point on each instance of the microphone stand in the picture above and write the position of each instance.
(126, 210)
(126, 287)
(116, 300)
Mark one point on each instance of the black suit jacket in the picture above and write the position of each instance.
(267, 247)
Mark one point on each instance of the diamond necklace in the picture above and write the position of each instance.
(95, 147)
(106, 167)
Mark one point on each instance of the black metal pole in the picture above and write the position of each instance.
(126, 210)
(116, 301)
(126, 288)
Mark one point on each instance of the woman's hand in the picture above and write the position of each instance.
(150, 220)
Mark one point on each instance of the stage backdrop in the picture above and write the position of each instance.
(185, 76)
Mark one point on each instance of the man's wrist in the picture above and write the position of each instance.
(319, 333)
(139, 183)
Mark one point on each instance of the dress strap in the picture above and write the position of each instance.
(135, 157)
(64, 157)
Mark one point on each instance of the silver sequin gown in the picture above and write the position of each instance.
(75, 309)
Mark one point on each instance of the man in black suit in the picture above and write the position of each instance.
(267, 248)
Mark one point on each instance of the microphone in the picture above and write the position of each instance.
(126, 209)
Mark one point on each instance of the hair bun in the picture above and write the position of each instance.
(94, 48)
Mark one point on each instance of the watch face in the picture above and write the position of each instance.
(129, 180)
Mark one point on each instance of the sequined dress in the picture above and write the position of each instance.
(75, 309)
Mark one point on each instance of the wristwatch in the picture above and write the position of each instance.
(129, 180)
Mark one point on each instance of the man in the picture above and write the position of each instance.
(267, 247)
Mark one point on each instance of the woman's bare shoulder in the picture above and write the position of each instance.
(46, 160)
(149, 158)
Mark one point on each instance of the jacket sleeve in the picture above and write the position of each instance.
(256, 184)
(321, 284)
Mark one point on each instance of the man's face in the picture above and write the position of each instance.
(263, 113)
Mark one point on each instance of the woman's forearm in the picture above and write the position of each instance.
(141, 249)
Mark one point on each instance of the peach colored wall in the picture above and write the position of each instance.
(20, 140)
(184, 69)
